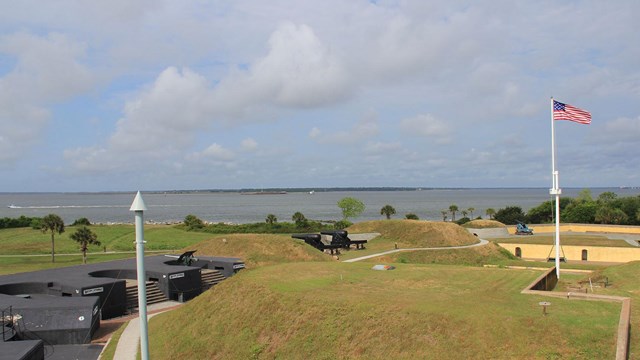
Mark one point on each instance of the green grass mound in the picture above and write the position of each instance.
(483, 224)
(412, 233)
(348, 311)
(259, 249)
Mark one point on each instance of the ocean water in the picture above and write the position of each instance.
(238, 208)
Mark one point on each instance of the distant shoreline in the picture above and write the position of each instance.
(306, 190)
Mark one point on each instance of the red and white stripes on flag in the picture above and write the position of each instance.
(567, 112)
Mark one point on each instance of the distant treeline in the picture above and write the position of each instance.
(296, 190)
(608, 208)
(33, 222)
(22, 221)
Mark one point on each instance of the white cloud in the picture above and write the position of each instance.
(298, 71)
(315, 133)
(622, 130)
(46, 71)
(364, 129)
(427, 125)
(384, 148)
(249, 144)
(214, 152)
(160, 123)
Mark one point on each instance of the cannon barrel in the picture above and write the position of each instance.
(341, 233)
(306, 237)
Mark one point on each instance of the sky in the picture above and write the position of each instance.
(149, 95)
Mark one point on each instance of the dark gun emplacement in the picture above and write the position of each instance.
(331, 240)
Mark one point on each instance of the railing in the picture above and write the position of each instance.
(7, 321)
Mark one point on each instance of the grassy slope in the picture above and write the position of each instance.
(483, 224)
(348, 311)
(412, 233)
(259, 249)
(416, 234)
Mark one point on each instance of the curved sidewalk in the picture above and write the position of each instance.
(129, 341)
(481, 243)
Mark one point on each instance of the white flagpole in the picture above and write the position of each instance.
(555, 190)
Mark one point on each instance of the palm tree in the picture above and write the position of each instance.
(55, 224)
(387, 211)
(299, 219)
(464, 213)
(444, 215)
(453, 209)
(490, 212)
(85, 237)
(271, 219)
(471, 210)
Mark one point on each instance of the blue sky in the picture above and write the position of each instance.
(161, 95)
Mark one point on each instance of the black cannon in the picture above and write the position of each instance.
(185, 259)
(341, 237)
(315, 240)
(333, 240)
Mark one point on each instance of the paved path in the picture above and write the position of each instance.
(129, 342)
(481, 243)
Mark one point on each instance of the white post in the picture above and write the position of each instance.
(555, 190)
(139, 207)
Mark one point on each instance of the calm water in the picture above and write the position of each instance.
(237, 208)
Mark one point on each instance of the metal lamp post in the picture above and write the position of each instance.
(139, 207)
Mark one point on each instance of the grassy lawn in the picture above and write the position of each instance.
(348, 311)
(113, 237)
(12, 265)
(591, 240)
(623, 281)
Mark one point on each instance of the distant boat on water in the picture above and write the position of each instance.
(312, 192)
(13, 206)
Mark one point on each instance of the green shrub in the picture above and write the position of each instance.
(192, 222)
(22, 221)
(411, 216)
(342, 224)
(81, 221)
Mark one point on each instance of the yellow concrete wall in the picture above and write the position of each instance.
(573, 252)
(549, 228)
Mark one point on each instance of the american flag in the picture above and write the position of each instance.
(567, 112)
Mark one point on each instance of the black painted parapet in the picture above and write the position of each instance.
(22, 350)
(227, 266)
(55, 319)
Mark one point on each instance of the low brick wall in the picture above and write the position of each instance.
(598, 228)
(575, 252)
(549, 277)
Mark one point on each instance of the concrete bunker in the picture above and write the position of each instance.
(66, 306)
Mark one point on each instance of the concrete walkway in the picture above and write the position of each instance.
(481, 243)
(129, 342)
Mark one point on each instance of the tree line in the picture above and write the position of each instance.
(607, 208)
